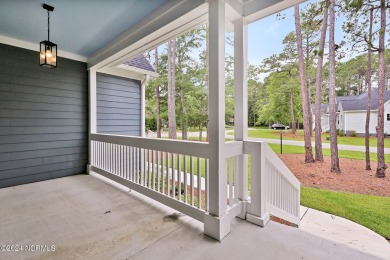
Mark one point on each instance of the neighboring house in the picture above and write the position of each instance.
(351, 113)
(324, 116)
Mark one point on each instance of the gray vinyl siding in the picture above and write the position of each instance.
(43, 118)
(118, 105)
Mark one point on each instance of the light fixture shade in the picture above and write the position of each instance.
(48, 54)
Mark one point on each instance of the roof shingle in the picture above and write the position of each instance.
(350, 103)
(140, 62)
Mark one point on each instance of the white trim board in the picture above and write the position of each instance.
(173, 18)
(35, 47)
(138, 70)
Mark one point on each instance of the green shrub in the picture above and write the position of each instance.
(339, 132)
(151, 124)
(353, 134)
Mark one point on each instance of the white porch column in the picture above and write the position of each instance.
(92, 111)
(241, 103)
(216, 224)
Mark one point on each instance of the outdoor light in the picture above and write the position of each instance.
(48, 49)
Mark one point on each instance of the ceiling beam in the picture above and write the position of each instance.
(146, 28)
(256, 10)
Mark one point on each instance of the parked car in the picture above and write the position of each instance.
(279, 126)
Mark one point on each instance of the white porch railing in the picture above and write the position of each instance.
(167, 171)
(176, 173)
(274, 189)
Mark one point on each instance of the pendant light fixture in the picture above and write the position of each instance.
(48, 49)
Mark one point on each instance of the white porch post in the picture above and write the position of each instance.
(241, 103)
(92, 112)
(216, 223)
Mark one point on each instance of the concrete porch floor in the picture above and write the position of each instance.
(86, 218)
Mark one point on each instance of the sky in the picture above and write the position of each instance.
(266, 35)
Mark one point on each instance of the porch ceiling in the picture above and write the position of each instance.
(78, 27)
(93, 31)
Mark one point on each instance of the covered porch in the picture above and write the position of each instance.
(207, 181)
(85, 217)
(51, 130)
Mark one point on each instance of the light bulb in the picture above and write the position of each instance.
(48, 54)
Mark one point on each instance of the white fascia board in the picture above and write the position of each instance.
(151, 74)
(159, 26)
(237, 5)
(358, 111)
(122, 73)
(256, 10)
(35, 47)
(232, 15)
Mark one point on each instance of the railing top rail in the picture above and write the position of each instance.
(278, 163)
(256, 147)
(190, 148)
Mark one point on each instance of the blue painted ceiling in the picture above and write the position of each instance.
(78, 26)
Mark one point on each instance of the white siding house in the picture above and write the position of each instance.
(351, 113)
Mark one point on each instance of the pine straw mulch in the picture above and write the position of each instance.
(353, 177)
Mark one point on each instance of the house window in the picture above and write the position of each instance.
(388, 117)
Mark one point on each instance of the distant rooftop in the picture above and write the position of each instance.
(351, 103)
(140, 62)
(355, 103)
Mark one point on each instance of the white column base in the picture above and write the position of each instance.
(242, 214)
(89, 169)
(260, 221)
(216, 227)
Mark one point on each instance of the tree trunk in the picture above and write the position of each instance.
(380, 171)
(308, 85)
(318, 129)
(304, 93)
(335, 165)
(171, 89)
(184, 126)
(369, 77)
(158, 99)
(293, 126)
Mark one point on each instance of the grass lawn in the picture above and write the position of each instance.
(369, 211)
(274, 134)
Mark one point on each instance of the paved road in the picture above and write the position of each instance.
(324, 145)
(344, 147)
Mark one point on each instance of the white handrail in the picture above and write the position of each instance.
(191, 148)
(275, 190)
